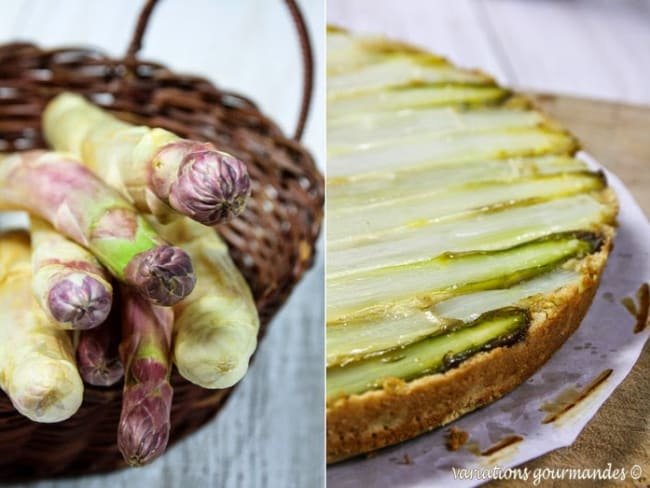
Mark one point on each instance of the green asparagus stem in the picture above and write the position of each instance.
(477, 232)
(144, 425)
(83, 208)
(449, 274)
(154, 167)
(364, 338)
(430, 355)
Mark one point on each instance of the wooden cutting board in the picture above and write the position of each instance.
(618, 136)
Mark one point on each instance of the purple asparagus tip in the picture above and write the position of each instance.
(212, 186)
(84, 305)
(143, 432)
(164, 274)
(102, 373)
(94, 367)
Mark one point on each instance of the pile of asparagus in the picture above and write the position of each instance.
(120, 275)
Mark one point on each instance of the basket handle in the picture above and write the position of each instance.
(306, 51)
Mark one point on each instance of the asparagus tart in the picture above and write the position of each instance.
(465, 241)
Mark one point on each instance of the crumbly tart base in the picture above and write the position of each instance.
(401, 410)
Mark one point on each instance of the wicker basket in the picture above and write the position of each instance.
(272, 242)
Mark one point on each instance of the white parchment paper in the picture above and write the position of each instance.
(605, 340)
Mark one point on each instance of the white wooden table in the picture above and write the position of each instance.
(270, 434)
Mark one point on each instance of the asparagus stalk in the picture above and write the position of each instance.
(418, 97)
(459, 148)
(37, 367)
(145, 350)
(397, 72)
(364, 338)
(374, 129)
(424, 283)
(83, 208)
(69, 284)
(350, 54)
(215, 332)
(156, 168)
(394, 215)
(430, 355)
(392, 185)
(98, 357)
(477, 232)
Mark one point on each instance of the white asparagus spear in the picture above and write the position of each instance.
(154, 167)
(37, 366)
(69, 284)
(215, 331)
